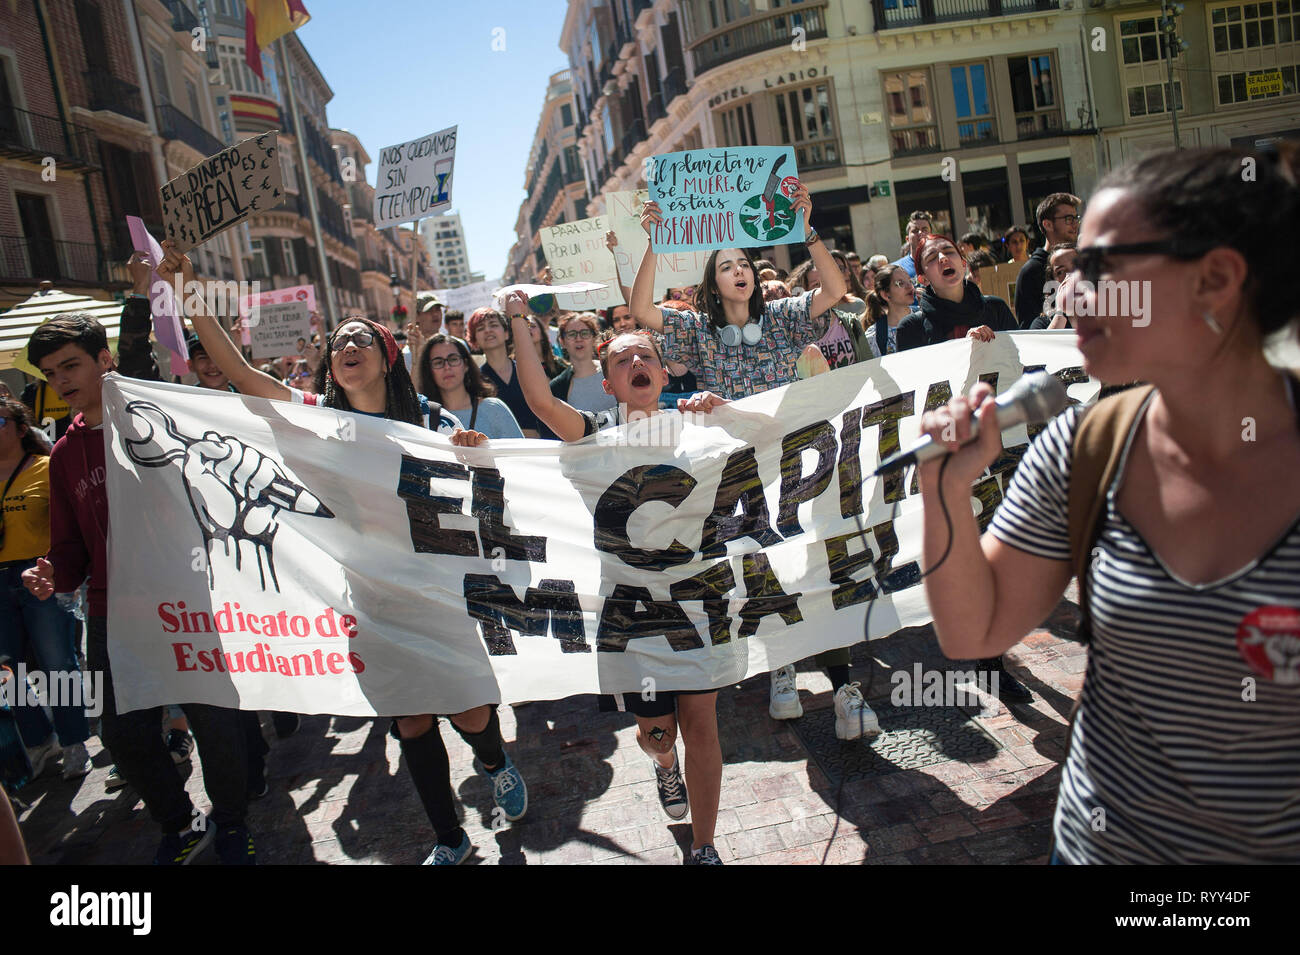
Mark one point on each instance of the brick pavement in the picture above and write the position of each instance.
(334, 798)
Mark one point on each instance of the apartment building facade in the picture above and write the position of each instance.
(971, 109)
(100, 103)
(555, 188)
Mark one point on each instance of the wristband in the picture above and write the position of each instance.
(811, 237)
(520, 315)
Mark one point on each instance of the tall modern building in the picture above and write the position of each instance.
(444, 236)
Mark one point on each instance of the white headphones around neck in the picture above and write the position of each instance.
(751, 333)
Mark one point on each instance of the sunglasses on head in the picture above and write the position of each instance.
(362, 339)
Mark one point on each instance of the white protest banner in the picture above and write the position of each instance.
(414, 179)
(469, 297)
(533, 291)
(222, 191)
(672, 269)
(725, 197)
(167, 327)
(279, 329)
(271, 555)
(576, 252)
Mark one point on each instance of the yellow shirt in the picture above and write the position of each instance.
(27, 512)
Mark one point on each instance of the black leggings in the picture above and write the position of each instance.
(426, 757)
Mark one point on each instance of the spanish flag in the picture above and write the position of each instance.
(265, 21)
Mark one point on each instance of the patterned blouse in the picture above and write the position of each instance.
(788, 328)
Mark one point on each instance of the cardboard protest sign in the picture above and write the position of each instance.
(672, 269)
(221, 191)
(414, 179)
(1000, 281)
(576, 252)
(167, 326)
(724, 198)
(278, 328)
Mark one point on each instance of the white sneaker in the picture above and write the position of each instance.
(853, 718)
(76, 761)
(42, 754)
(783, 704)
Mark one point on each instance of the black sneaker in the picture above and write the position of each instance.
(182, 848)
(286, 724)
(672, 789)
(235, 846)
(180, 744)
(706, 855)
(1011, 690)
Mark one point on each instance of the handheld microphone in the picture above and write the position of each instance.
(1034, 399)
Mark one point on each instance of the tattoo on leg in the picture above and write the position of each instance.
(658, 733)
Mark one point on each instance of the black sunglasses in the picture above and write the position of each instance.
(1090, 262)
(360, 339)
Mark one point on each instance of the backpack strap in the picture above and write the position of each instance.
(882, 334)
(1098, 445)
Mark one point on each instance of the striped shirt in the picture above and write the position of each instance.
(1186, 747)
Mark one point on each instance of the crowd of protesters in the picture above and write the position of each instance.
(1166, 764)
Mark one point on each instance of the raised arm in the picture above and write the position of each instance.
(246, 379)
(984, 595)
(561, 417)
(833, 285)
(642, 305)
(611, 243)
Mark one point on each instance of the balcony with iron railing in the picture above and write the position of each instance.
(37, 260)
(674, 85)
(763, 31)
(654, 109)
(184, 19)
(893, 14)
(28, 135)
(173, 124)
(104, 91)
(634, 135)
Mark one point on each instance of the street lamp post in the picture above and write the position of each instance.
(1169, 12)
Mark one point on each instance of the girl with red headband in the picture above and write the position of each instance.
(363, 372)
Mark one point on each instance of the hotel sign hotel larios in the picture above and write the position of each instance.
(287, 557)
(725, 198)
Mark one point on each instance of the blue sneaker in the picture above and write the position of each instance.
(446, 855)
(235, 847)
(508, 790)
(182, 848)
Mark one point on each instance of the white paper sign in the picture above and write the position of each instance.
(278, 329)
(576, 252)
(414, 179)
(672, 269)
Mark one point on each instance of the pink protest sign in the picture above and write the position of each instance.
(279, 296)
(167, 326)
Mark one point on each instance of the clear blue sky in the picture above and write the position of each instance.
(401, 69)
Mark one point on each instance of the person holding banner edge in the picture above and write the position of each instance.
(739, 345)
(364, 373)
(634, 373)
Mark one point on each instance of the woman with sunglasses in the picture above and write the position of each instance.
(449, 375)
(582, 386)
(888, 303)
(39, 629)
(363, 372)
(1184, 739)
